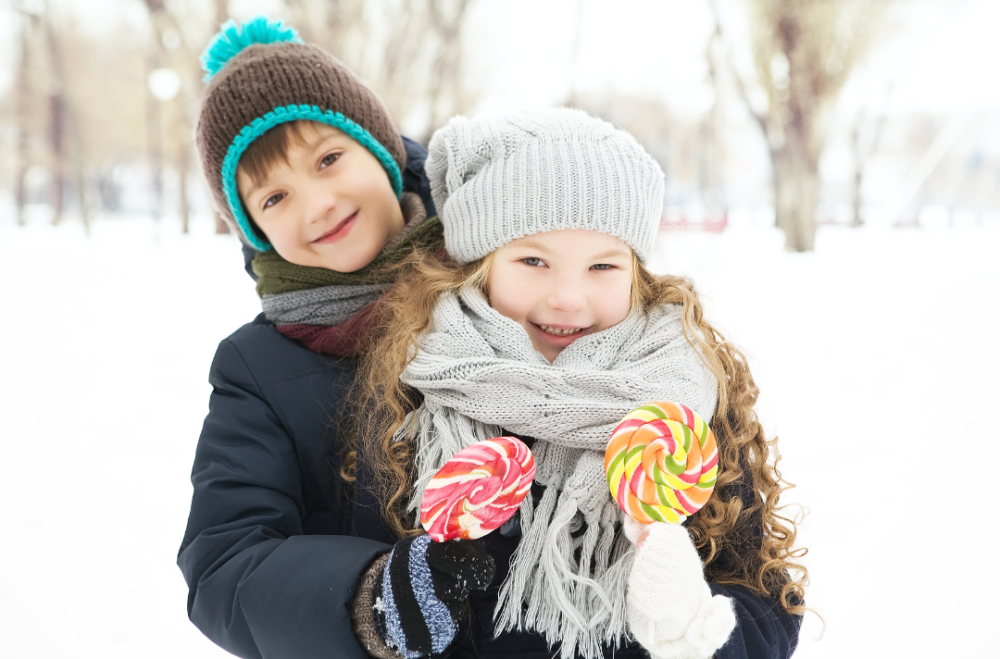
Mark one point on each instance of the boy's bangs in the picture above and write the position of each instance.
(270, 149)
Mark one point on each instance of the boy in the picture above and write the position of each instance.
(305, 163)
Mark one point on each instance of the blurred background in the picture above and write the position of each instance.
(832, 188)
(801, 113)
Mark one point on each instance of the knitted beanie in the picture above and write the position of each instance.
(497, 179)
(261, 74)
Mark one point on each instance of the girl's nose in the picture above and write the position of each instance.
(568, 295)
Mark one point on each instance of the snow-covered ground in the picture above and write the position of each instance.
(876, 356)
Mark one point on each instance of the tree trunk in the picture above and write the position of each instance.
(23, 110)
(154, 140)
(63, 124)
(182, 189)
(859, 178)
(859, 170)
(221, 16)
(20, 190)
(220, 224)
(57, 146)
(448, 59)
(796, 196)
(221, 12)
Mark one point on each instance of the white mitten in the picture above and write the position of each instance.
(670, 609)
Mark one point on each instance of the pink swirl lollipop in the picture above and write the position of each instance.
(477, 490)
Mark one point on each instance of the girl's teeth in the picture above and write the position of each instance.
(560, 332)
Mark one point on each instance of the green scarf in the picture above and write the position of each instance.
(276, 275)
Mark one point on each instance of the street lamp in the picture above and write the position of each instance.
(164, 84)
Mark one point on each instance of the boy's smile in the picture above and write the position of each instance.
(561, 285)
(331, 205)
(338, 231)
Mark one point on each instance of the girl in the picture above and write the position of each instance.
(544, 323)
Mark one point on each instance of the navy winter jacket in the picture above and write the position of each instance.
(268, 554)
(276, 540)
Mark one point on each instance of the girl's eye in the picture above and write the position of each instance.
(533, 261)
(329, 159)
(273, 199)
(601, 266)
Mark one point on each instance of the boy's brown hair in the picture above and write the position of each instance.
(270, 150)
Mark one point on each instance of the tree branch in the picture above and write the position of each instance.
(741, 87)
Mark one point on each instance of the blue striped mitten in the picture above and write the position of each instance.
(424, 590)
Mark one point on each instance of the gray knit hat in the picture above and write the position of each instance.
(497, 179)
(259, 75)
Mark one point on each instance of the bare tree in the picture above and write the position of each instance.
(710, 180)
(330, 23)
(162, 23)
(865, 134)
(64, 134)
(179, 36)
(408, 51)
(22, 113)
(670, 141)
(803, 52)
(447, 19)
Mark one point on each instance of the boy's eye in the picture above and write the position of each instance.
(273, 199)
(533, 261)
(329, 159)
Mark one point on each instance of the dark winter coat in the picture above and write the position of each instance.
(276, 540)
(268, 554)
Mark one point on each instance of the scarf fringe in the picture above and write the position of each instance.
(551, 564)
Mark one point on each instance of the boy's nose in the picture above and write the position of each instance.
(319, 202)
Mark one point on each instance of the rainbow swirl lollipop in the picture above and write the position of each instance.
(661, 463)
(477, 490)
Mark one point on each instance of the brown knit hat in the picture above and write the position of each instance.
(261, 74)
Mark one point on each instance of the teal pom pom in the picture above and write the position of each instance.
(233, 38)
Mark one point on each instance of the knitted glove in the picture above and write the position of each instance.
(669, 608)
(424, 590)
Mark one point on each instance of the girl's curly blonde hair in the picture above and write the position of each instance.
(740, 533)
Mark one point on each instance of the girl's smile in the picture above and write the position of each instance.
(554, 337)
(560, 331)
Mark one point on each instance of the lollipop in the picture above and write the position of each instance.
(477, 490)
(661, 463)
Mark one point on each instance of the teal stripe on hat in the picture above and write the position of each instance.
(280, 115)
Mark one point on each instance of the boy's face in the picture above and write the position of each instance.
(331, 206)
(561, 285)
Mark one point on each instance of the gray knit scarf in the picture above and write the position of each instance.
(479, 373)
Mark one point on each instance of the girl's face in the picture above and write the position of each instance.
(561, 285)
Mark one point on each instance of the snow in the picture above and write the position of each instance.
(876, 357)
(105, 350)
(877, 360)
